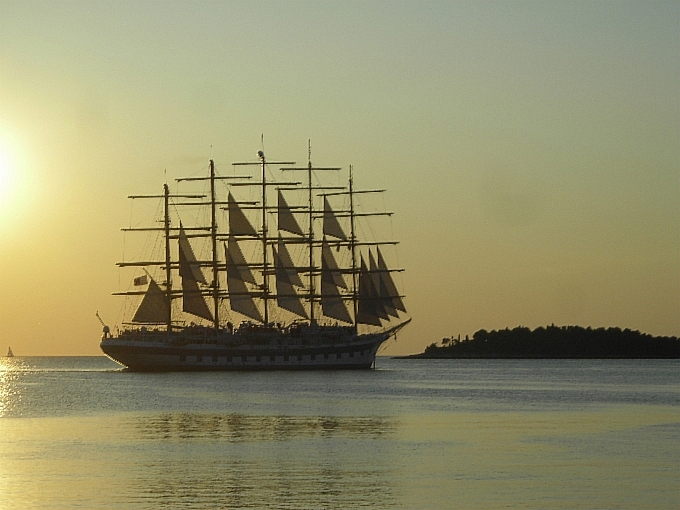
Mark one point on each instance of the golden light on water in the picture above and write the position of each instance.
(9, 394)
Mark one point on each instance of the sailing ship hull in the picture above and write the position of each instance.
(157, 339)
(177, 352)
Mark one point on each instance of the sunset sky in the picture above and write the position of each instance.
(531, 150)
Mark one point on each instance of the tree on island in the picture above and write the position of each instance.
(556, 342)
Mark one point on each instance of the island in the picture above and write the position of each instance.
(554, 342)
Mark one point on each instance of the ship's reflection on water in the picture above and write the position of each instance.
(245, 461)
(240, 428)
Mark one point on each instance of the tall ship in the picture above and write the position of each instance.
(333, 301)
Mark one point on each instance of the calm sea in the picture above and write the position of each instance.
(463, 434)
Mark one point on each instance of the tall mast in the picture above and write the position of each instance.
(265, 260)
(168, 234)
(213, 236)
(352, 247)
(212, 177)
(310, 241)
(168, 274)
(311, 232)
(265, 278)
(353, 243)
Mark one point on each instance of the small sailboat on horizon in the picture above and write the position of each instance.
(10, 354)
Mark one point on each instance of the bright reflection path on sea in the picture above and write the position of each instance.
(9, 390)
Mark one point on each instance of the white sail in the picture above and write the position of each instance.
(240, 299)
(366, 313)
(330, 266)
(286, 297)
(193, 301)
(287, 263)
(389, 284)
(385, 296)
(239, 261)
(188, 265)
(383, 303)
(332, 304)
(331, 226)
(286, 220)
(238, 222)
(190, 271)
(154, 306)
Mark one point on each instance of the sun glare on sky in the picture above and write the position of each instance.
(7, 172)
(12, 185)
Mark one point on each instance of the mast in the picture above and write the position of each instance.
(310, 240)
(353, 244)
(164, 312)
(213, 237)
(352, 247)
(265, 260)
(214, 203)
(265, 278)
(311, 232)
(168, 273)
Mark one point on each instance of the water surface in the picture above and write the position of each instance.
(80, 433)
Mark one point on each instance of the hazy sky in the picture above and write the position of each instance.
(531, 149)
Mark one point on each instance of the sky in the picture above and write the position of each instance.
(531, 150)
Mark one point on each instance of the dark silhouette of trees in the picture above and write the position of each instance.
(556, 342)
